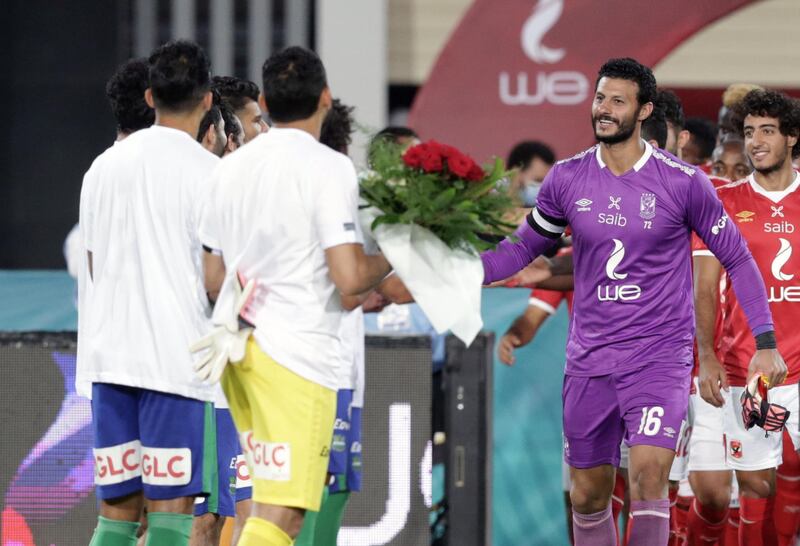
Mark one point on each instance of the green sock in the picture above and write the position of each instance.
(330, 519)
(307, 533)
(114, 532)
(168, 529)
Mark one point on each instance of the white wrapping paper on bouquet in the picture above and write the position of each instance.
(445, 283)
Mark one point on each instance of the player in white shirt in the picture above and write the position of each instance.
(140, 206)
(221, 133)
(283, 213)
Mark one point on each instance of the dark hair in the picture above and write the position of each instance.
(655, 127)
(179, 75)
(212, 117)
(526, 151)
(395, 132)
(235, 91)
(632, 70)
(125, 91)
(673, 109)
(293, 82)
(704, 135)
(388, 136)
(233, 126)
(337, 129)
(770, 104)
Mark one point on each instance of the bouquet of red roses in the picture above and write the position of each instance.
(437, 187)
(431, 209)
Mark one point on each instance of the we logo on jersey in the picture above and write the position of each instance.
(783, 293)
(617, 292)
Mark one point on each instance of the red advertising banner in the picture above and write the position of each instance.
(526, 69)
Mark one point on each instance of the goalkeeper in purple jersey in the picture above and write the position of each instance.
(632, 209)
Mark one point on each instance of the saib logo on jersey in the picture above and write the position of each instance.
(617, 292)
(783, 293)
(561, 87)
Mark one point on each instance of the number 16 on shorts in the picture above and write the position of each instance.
(651, 420)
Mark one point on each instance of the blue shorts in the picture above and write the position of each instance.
(151, 441)
(233, 483)
(350, 480)
(341, 432)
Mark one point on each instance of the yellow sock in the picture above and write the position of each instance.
(260, 532)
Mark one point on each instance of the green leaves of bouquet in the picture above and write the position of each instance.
(441, 189)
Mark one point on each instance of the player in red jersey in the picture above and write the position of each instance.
(716, 501)
(766, 209)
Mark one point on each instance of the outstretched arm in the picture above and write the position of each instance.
(536, 235)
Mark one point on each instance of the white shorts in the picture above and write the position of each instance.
(707, 444)
(679, 469)
(754, 449)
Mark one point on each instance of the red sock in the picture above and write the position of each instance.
(787, 498)
(731, 537)
(681, 514)
(705, 525)
(617, 502)
(756, 526)
(674, 532)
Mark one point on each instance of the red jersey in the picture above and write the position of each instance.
(549, 300)
(699, 247)
(767, 222)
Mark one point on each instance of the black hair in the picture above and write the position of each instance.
(293, 82)
(125, 91)
(526, 151)
(337, 129)
(388, 136)
(235, 91)
(704, 135)
(212, 117)
(673, 108)
(233, 126)
(770, 104)
(179, 75)
(632, 70)
(655, 127)
(395, 132)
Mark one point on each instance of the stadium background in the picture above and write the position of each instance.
(379, 54)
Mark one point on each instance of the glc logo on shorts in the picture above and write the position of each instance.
(736, 449)
(269, 460)
(117, 464)
(166, 466)
(242, 473)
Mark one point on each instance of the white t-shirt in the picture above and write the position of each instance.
(351, 335)
(275, 206)
(140, 209)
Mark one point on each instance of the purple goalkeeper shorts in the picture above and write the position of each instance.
(645, 406)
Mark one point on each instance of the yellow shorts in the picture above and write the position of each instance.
(284, 423)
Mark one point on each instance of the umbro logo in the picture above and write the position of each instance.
(584, 204)
(745, 216)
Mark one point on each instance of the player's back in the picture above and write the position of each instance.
(140, 221)
(276, 205)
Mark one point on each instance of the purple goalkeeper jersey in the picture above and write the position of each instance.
(633, 302)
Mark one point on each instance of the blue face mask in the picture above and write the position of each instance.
(528, 193)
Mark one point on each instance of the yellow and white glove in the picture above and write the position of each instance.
(226, 342)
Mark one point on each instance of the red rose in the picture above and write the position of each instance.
(413, 157)
(431, 162)
(475, 173)
(460, 165)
